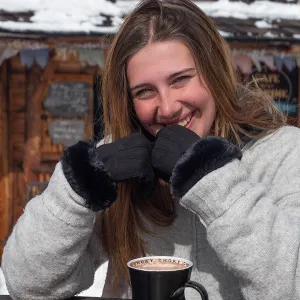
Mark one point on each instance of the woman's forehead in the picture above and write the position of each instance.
(159, 59)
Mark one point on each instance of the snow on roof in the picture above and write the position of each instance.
(102, 16)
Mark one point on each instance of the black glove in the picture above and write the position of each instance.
(181, 153)
(171, 142)
(93, 172)
(203, 157)
(129, 158)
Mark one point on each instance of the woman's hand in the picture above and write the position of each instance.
(182, 158)
(93, 172)
(129, 158)
(170, 144)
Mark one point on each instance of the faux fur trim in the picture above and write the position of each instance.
(88, 176)
(203, 157)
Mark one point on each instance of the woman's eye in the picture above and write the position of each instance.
(181, 79)
(144, 93)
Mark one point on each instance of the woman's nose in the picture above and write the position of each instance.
(169, 107)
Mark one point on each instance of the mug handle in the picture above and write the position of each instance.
(179, 293)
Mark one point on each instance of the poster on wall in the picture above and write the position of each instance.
(276, 76)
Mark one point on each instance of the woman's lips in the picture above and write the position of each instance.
(156, 127)
(189, 125)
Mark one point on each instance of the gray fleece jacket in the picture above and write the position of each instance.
(239, 225)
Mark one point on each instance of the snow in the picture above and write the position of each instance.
(85, 16)
(225, 8)
(263, 24)
(62, 16)
(258, 9)
(3, 289)
(69, 7)
(94, 291)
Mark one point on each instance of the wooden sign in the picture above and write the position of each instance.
(68, 98)
(282, 87)
(66, 132)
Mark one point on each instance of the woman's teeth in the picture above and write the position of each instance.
(185, 121)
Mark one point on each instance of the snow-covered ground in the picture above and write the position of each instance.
(3, 289)
(94, 291)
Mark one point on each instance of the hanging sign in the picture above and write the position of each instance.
(69, 99)
(281, 85)
(66, 132)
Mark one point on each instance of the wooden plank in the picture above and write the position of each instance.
(18, 148)
(76, 67)
(18, 104)
(5, 183)
(89, 130)
(18, 92)
(69, 67)
(43, 169)
(51, 156)
(103, 42)
(32, 153)
(16, 64)
(17, 98)
(93, 42)
(18, 124)
(18, 192)
(18, 139)
(74, 77)
(18, 156)
(19, 79)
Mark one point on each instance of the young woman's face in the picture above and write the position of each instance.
(166, 89)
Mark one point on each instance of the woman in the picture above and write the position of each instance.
(193, 165)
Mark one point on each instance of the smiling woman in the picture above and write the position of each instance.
(190, 166)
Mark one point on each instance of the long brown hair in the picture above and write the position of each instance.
(239, 111)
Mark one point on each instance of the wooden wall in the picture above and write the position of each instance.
(5, 158)
(27, 154)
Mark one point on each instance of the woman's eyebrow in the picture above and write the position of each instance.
(170, 78)
(139, 86)
(180, 73)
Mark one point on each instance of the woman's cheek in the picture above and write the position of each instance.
(144, 114)
(146, 117)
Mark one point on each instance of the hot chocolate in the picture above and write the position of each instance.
(159, 264)
(162, 278)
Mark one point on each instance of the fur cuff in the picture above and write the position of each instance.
(88, 176)
(203, 157)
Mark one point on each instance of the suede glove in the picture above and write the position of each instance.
(184, 160)
(93, 173)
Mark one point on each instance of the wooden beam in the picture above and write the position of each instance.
(51, 156)
(37, 41)
(43, 169)
(5, 183)
(74, 77)
(32, 151)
